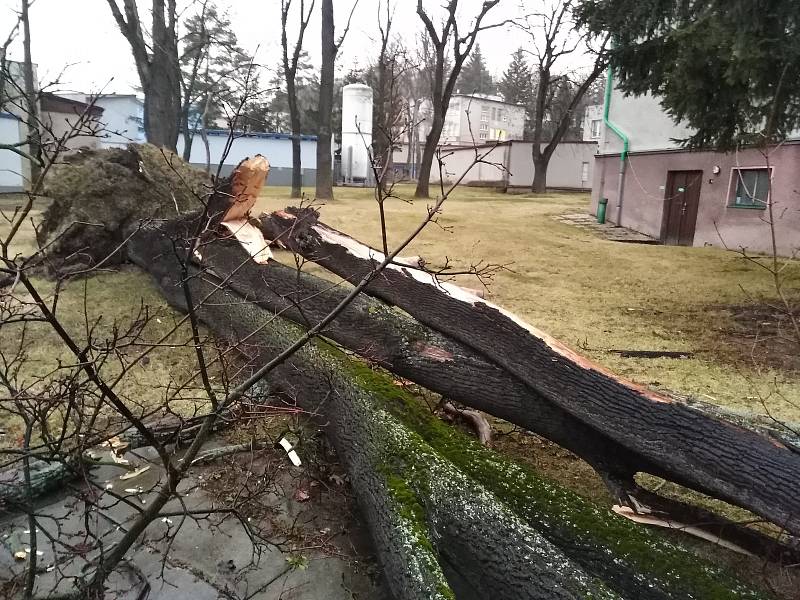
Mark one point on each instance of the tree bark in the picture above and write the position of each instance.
(394, 341)
(324, 185)
(540, 162)
(290, 66)
(442, 524)
(31, 107)
(692, 449)
(157, 65)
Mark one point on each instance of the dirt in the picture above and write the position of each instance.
(762, 335)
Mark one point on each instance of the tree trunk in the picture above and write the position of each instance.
(162, 101)
(692, 449)
(404, 346)
(428, 156)
(324, 185)
(442, 524)
(297, 163)
(31, 108)
(539, 185)
(393, 341)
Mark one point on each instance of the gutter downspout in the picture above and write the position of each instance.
(622, 155)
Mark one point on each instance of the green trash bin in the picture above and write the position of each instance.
(601, 210)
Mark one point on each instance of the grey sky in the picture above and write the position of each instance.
(82, 36)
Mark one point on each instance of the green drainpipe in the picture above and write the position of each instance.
(622, 155)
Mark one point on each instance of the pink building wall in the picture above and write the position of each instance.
(718, 223)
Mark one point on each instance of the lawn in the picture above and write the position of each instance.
(597, 295)
(593, 294)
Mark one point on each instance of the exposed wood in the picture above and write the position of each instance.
(396, 342)
(443, 511)
(475, 419)
(653, 353)
(690, 448)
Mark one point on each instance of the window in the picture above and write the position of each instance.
(494, 114)
(750, 187)
(484, 127)
(482, 135)
(485, 113)
(584, 172)
(595, 129)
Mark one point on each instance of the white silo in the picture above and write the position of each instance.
(356, 131)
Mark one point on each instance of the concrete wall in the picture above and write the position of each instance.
(645, 123)
(13, 169)
(718, 224)
(570, 167)
(60, 124)
(457, 161)
(276, 147)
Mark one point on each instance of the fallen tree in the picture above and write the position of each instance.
(449, 517)
(683, 445)
(392, 340)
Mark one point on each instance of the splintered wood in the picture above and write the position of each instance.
(246, 184)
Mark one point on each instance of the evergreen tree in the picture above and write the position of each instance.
(730, 69)
(516, 86)
(475, 77)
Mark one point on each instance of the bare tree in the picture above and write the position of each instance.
(157, 63)
(445, 74)
(290, 64)
(330, 48)
(31, 105)
(553, 36)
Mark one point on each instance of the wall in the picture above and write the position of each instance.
(457, 161)
(645, 123)
(12, 176)
(124, 120)
(123, 117)
(717, 223)
(276, 147)
(570, 167)
(60, 124)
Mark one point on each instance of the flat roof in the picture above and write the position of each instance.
(261, 134)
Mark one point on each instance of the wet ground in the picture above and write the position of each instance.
(295, 534)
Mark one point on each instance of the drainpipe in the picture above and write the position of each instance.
(622, 155)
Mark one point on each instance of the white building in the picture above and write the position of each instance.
(123, 117)
(593, 123)
(480, 118)
(276, 147)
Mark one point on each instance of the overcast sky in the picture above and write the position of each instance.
(81, 36)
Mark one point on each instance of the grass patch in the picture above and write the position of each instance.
(591, 293)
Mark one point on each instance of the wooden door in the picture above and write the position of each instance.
(681, 200)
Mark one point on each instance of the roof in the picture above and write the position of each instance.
(8, 115)
(489, 97)
(51, 103)
(261, 134)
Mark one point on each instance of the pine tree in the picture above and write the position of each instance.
(475, 77)
(516, 86)
(730, 69)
